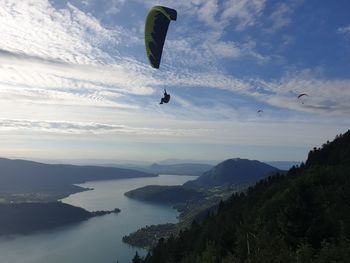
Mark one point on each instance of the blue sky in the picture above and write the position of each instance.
(75, 82)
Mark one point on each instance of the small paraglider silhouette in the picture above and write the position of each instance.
(300, 96)
(166, 97)
(259, 112)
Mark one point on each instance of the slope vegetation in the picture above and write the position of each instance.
(302, 216)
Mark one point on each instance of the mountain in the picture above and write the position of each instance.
(301, 216)
(164, 194)
(180, 161)
(227, 173)
(29, 217)
(232, 171)
(56, 180)
(180, 169)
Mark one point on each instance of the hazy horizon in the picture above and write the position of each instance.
(136, 163)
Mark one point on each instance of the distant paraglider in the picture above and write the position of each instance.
(259, 112)
(156, 28)
(301, 97)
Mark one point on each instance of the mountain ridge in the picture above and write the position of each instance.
(179, 169)
(301, 216)
(54, 181)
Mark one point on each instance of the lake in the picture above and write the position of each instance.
(99, 239)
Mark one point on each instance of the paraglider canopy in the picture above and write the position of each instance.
(156, 28)
(301, 95)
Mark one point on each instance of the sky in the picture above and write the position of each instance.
(75, 82)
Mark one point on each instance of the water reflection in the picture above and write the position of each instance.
(96, 240)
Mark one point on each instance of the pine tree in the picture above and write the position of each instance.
(136, 258)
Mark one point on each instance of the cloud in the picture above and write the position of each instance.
(48, 82)
(281, 15)
(64, 127)
(36, 28)
(344, 31)
(45, 81)
(207, 52)
(248, 133)
(215, 13)
(105, 7)
(245, 12)
(226, 49)
(58, 127)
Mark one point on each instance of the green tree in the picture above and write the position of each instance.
(136, 258)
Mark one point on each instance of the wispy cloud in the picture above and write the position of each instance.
(49, 82)
(207, 11)
(107, 7)
(216, 14)
(40, 81)
(37, 28)
(64, 127)
(344, 30)
(246, 12)
(281, 16)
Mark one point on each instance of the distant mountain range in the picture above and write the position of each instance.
(27, 177)
(33, 181)
(193, 167)
(186, 168)
(179, 169)
(226, 173)
(232, 171)
(282, 165)
(181, 161)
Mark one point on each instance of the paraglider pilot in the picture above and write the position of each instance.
(166, 98)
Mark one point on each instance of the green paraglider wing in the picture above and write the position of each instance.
(156, 28)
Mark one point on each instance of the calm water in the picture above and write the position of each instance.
(97, 240)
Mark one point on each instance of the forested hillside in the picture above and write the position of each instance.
(164, 194)
(302, 216)
(29, 217)
(23, 218)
